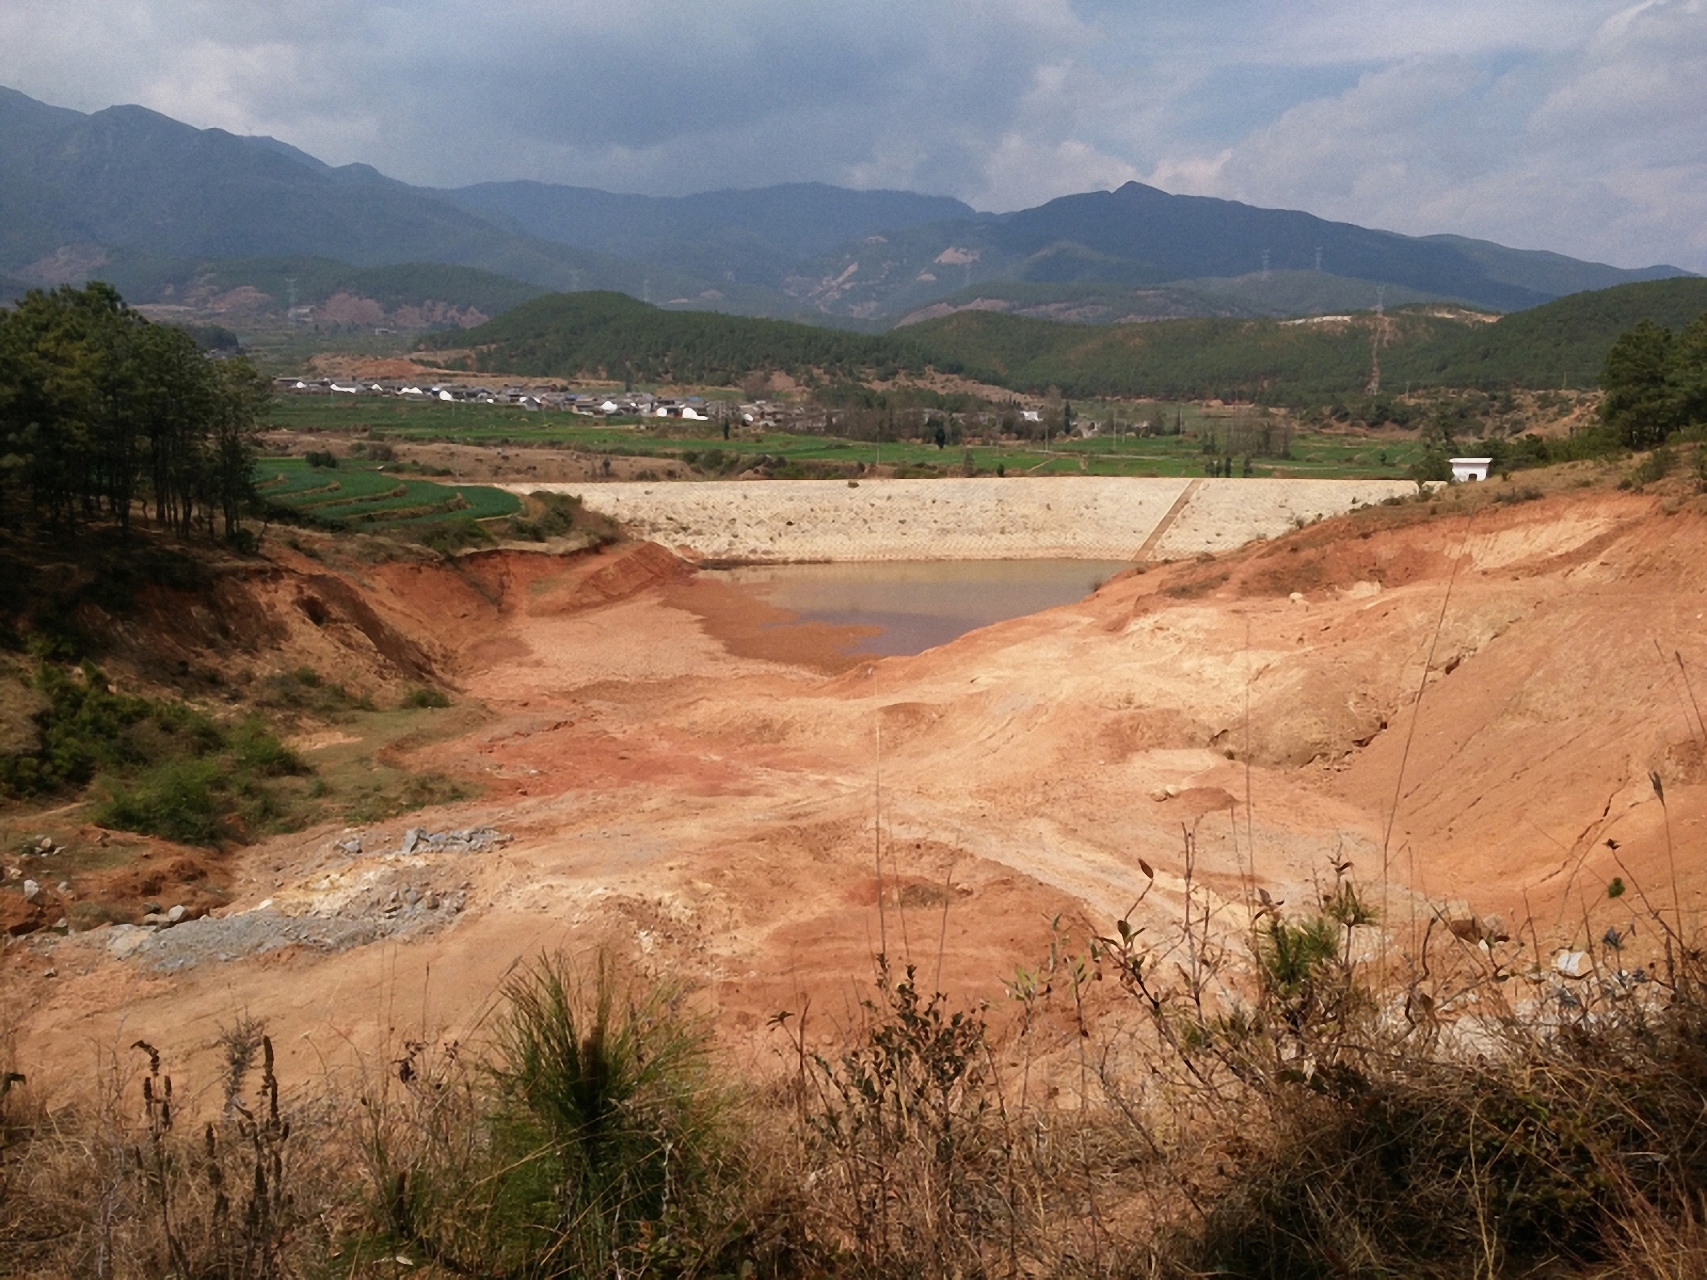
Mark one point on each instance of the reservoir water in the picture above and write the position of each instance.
(894, 607)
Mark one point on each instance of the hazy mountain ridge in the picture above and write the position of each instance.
(128, 191)
(744, 237)
(1139, 236)
(134, 180)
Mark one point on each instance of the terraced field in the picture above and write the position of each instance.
(357, 494)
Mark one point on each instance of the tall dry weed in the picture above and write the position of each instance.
(120, 1186)
(1311, 1092)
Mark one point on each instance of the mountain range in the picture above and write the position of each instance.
(161, 208)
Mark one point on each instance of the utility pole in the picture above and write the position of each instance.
(1380, 332)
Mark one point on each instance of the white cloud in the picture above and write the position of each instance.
(1596, 151)
(1567, 124)
(1024, 171)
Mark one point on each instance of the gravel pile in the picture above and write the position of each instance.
(408, 913)
(364, 900)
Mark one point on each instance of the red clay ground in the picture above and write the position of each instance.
(712, 795)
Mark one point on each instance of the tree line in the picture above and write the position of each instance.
(1655, 383)
(104, 415)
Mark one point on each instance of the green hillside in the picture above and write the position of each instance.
(1294, 362)
(1232, 359)
(1278, 295)
(1564, 342)
(1298, 362)
(611, 335)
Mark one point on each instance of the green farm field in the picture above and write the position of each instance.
(355, 494)
(1313, 455)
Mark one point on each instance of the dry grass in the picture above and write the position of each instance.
(1317, 1097)
(120, 1187)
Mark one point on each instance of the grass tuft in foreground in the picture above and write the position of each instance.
(593, 1141)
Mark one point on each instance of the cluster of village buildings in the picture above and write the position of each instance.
(635, 404)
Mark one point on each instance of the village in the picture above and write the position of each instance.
(1023, 418)
(632, 404)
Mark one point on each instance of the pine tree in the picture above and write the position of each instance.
(101, 411)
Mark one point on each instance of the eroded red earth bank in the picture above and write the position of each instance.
(723, 799)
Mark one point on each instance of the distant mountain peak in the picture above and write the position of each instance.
(129, 184)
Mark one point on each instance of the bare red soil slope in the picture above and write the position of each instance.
(742, 816)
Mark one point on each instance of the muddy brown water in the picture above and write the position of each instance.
(898, 607)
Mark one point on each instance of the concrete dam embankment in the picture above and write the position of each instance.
(1024, 518)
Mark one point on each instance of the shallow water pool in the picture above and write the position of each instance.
(910, 606)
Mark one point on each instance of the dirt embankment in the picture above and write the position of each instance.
(308, 630)
(1466, 706)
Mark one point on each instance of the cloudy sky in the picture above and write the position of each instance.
(1575, 125)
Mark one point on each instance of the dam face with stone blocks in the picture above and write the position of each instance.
(1023, 518)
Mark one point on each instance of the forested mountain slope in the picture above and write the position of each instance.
(1278, 361)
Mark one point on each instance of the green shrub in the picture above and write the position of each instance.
(306, 690)
(167, 768)
(1433, 465)
(559, 514)
(424, 696)
(85, 728)
(1655, 467)
(258, 749)
(449, 536)
(183, 800)
(601, 1143)
(218, 786)
(1292, 955)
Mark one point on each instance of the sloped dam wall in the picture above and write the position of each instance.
(1023, 518)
